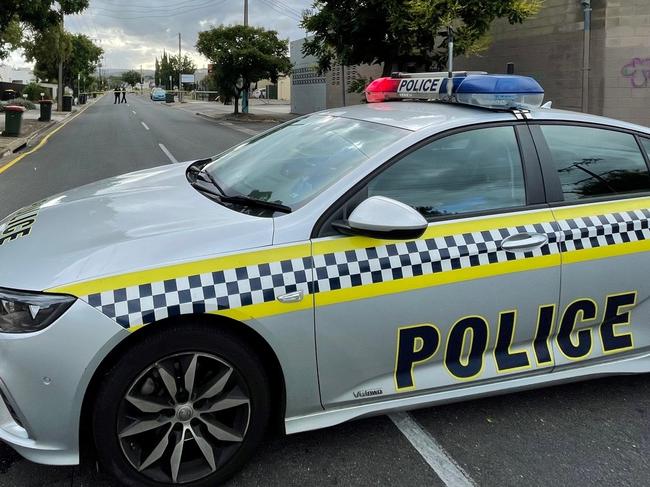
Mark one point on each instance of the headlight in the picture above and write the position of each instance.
(25, 312)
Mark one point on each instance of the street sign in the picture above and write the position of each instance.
(187, 78)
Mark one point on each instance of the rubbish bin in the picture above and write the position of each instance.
(67, 103)
(9, 95)
(13, 120)
(46, 110)
(169, 97)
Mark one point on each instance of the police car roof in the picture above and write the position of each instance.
(417, 115)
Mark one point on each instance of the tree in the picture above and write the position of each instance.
(79, 54)
(19, 16)
(244, 53)
(404, 34)
(131, 77)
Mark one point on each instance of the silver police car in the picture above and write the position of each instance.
(355, 261)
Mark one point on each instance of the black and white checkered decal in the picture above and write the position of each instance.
(262, 283)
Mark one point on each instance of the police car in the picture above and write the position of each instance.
(452, 238)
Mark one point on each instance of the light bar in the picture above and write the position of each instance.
(499, 91)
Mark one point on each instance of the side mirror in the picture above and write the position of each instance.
(385, 218)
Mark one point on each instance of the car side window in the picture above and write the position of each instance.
(594, 162)
(466, 172)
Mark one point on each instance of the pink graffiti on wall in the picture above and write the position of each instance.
(638, 72)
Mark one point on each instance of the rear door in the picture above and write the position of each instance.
(599, 181)
(472, 300)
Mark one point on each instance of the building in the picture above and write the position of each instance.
(550, 48)
(10, 74)
(312, 91)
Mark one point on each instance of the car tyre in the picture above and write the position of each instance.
(202, 411)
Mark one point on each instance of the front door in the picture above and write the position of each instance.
(473, 299)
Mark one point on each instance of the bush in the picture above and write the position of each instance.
(34, 90)
(18, 101)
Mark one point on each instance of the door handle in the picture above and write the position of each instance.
(294, 297)
(523, 242)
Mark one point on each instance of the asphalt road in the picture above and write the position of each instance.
(590, 433)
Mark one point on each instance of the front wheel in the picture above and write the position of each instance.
(186, 406)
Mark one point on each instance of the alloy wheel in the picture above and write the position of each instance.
(184, 417)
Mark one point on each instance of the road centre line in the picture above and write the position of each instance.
(144, 125)
(169, 155)
(433, 453)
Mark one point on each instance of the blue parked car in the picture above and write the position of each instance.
(158, 94)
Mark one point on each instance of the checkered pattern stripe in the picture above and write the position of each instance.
(373, 265)
(261, 283)
(603, 230)
(202, 293)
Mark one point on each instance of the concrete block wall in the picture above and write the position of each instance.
(626, 60)
(549, 47)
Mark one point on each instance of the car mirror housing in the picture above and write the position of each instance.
(384, 218)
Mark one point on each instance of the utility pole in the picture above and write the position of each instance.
(245, 13)
(180, 69)
(141, 81)
(586, 54)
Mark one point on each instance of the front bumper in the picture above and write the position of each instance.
(43, 380)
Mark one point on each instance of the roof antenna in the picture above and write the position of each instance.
(450, 61)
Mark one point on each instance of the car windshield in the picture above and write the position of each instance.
(297, 161)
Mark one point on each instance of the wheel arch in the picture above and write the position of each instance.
(239, 329)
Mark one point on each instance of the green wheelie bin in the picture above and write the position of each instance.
(46, 110)
(13, 120)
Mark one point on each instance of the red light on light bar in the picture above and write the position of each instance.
(382, 89)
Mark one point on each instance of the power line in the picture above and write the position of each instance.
(279, 10)
(173, 14)
(154, 11)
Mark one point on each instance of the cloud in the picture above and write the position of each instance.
(134, 33)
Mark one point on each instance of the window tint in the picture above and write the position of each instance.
(466, 172)
(594, 162)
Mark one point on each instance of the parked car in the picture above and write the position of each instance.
(158, 94)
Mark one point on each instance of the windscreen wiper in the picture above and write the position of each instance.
(238, 199)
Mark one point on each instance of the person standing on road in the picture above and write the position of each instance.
(123, 94)
(117, 95)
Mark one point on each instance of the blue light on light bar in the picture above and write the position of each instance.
(500, 91)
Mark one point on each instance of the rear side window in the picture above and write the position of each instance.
(595, 162)
(467, 172)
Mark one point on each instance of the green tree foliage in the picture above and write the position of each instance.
(20, 16)
(249, 53)
(404, 34)
(78, 53)
(131, 77)
(34, 90)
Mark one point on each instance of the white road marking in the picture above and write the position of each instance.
(169, 155)
(433, 453)
(144, 125)
(133, 112)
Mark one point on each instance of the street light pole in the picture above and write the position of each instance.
(245, 13)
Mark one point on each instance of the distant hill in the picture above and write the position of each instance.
(119, 71)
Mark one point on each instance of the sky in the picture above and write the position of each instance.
(134, 32)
